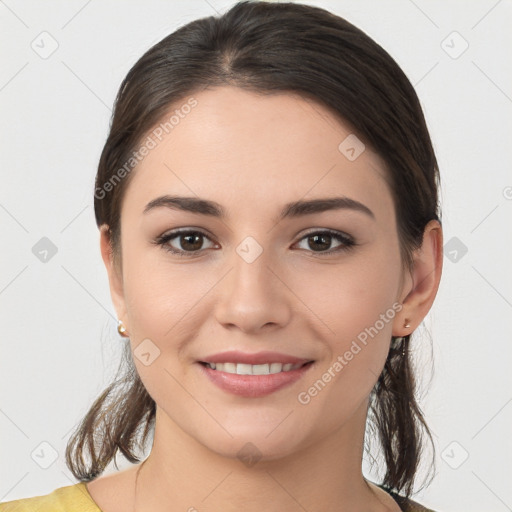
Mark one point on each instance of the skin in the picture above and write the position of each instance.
(252, 154)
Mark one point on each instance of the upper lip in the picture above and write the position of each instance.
(235, 356)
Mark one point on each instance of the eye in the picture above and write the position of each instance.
(321, 241)
(184, 242)
(189, 242)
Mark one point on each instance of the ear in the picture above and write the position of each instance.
(114, 272)
(423, 283)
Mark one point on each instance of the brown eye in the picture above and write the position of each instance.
(321, 242)
(183, 242)
(191, 242)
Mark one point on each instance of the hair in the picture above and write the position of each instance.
(270, 48)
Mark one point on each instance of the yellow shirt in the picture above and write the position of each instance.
(72, 498)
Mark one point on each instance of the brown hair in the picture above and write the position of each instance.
(272, 47)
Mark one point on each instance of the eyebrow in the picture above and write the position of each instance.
(290, 210)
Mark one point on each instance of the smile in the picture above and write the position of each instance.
(256, 380)
(254, 369)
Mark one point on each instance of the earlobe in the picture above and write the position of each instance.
(114, 273)
(426, 274)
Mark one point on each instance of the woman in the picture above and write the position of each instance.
(269, 221)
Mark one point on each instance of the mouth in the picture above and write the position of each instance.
(253, 380)
(269, 368)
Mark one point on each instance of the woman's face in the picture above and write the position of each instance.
(262, 277)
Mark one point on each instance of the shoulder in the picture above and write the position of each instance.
(72, 498)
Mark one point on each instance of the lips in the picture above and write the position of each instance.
(254, 375)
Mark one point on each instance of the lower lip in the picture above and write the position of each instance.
(253, 385)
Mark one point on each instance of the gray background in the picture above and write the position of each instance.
(59, 340)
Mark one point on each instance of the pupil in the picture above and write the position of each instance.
(319, 238)
(192, 245)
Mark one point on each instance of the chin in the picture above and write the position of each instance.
(254, 445)
(254, 450)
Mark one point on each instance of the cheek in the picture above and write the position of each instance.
(158, 293)
(356, 304)
(351, 296)
(161, 301)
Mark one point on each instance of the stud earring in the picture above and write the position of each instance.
(407, 324)
(121, 329)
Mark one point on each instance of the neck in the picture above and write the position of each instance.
(323, 476)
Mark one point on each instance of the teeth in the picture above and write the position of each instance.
(243, 369)
(227, 367)
(253, 369)
(260, 369)
(275, 367)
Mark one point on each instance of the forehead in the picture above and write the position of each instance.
(236, 146)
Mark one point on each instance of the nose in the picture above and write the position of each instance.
(253, 296)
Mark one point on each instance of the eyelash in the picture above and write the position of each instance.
(347, 242)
